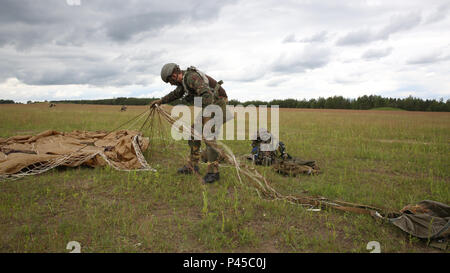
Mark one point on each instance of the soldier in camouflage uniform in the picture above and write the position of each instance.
(194, 83)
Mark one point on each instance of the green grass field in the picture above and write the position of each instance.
(380, 158)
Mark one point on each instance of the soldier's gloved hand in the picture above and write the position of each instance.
(155, 102)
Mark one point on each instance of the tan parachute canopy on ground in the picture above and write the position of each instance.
(27, 154)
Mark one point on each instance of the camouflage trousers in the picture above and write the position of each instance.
(295, 166)
(212, 155)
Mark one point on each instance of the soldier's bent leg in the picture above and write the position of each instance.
(213, 167)
(192, 165)
(212, 156)
(213, 164)
(195, 154)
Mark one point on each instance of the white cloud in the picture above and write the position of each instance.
(376, 53)
(261, 49)
(430, 57)
(290, 39)
(300, 60)
(438, 14)
(317, 37)
(397, 23)
(314, 38)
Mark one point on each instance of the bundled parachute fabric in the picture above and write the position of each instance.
(294, 166)
(427, 220)
(291, 166)
(29, 155)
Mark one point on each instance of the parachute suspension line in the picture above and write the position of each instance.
(125, 123)
(262, 185)
(229, 156)
(153, 130)
(109, 132)
(162, 131)
(136, 120)
(156, 124)
(147, 119)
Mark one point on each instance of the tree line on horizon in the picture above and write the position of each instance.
(361, 103)
(336, 102)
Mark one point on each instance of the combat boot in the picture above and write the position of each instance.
(188, 169)
(211, 177)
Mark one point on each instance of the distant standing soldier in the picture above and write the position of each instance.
(194, 83)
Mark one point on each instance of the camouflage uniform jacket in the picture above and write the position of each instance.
(194, 85)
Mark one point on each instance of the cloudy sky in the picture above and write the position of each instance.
(261, 49)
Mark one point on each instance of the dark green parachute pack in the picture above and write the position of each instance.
(279, 159)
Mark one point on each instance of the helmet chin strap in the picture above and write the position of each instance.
(180, 77)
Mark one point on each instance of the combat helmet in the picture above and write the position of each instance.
(166, 71)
